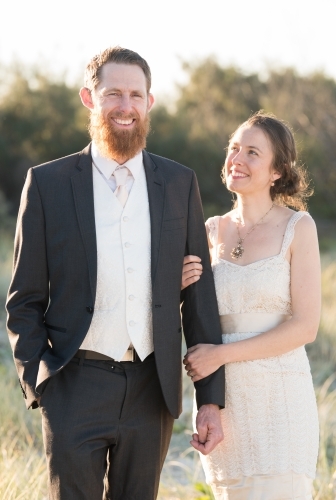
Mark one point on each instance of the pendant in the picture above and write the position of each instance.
(237, 252)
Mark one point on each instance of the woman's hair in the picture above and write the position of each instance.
(292, 188)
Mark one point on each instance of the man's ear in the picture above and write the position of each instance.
(86, 97)
(150, 99)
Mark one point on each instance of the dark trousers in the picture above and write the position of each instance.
(106, 431)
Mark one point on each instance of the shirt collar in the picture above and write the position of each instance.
(107, 166)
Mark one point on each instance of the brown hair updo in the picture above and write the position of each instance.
(292, 188)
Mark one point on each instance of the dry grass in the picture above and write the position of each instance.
(22, 465)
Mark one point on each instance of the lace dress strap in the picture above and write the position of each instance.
(289, 233)
(212, 226)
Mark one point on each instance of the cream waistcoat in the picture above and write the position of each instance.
(123, 306)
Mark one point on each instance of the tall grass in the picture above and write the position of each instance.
(6, 246)
(322, 354)
(22, 464)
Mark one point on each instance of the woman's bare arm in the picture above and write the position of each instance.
(299, 330)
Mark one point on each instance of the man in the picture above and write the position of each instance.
(94, 303)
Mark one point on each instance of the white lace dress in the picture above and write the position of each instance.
(270, 420)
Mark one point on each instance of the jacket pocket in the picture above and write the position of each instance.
(169, 225)
(56, 328)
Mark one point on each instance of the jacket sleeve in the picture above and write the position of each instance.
(28, 295)
(199, 310)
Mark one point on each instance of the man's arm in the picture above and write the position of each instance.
(199, 310)
(28, 295)
(201, 325)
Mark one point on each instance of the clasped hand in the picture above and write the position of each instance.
(201, 360)
(209, 429)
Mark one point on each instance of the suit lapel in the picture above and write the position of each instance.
(82, 186)
(156, 198)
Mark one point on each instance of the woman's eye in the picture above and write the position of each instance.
(252, 152)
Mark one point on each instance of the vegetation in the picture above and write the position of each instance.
(22, 465)
(42, 119)
(216, 99)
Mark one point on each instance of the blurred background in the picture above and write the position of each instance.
(213, 64)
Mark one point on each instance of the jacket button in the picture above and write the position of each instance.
(89, 309)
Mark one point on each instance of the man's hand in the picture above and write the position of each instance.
(209, 428)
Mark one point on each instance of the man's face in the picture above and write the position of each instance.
(119, 107)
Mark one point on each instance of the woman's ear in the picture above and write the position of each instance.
(275, 176)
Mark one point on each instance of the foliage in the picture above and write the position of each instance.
(40, 120)
(215, 100)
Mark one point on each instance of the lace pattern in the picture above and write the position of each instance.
(270, 420)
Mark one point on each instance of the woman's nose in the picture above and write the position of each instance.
(237, 158)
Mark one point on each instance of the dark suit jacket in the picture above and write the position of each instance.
(52, 294)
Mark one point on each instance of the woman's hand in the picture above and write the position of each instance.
(192, 270)
(202, 359)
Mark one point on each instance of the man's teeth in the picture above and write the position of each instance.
(123, 122)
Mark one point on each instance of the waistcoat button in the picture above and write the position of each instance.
(89, 309)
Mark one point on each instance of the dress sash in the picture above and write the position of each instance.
(251, 322)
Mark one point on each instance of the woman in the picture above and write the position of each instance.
(267, 274)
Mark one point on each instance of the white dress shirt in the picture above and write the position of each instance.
(107, 167)
(123, 304)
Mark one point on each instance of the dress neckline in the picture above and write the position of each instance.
(255, 261)
(280, 254)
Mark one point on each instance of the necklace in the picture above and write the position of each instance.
(237, 252)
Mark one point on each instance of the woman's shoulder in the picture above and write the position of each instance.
(299, 219)
(219, 219)
(300, 228)
(304, 224)
(291, 217)
(213, 224)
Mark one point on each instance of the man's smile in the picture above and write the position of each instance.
(124, 122)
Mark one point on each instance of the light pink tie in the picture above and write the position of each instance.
(121, 192)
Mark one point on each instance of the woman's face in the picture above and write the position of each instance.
(249, 164)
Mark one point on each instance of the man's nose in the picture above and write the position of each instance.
(125, 104)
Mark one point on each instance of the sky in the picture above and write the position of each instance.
(253, 35)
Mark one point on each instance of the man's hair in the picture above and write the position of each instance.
(117, 55)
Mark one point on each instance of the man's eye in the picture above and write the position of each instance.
(252, 152)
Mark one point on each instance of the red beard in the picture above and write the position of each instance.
(115, 143)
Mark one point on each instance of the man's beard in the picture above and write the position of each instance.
(115, 143)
